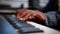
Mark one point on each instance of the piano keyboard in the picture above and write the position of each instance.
(22, 26)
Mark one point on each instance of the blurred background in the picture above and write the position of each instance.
(42, 5)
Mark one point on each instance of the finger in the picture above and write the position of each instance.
(21, 12)
(24, 14)
(30, 15)
(33, 15)
(18, 13)
(27, 17)
(40, 17)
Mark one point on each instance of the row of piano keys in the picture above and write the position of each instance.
(17, 25)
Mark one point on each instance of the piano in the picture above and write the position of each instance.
(17, 26)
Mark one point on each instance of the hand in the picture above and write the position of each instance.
(27, 14)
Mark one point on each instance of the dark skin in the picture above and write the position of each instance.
(27, 14)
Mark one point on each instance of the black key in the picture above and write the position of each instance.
(30, 30)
